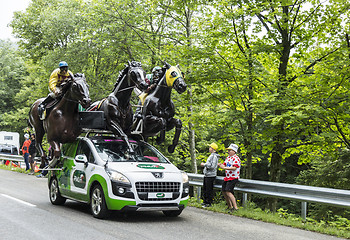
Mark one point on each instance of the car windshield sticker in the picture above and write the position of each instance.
(150, 166)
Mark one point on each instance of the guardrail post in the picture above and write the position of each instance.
(199, 190)
(303, 210)
(244, 199)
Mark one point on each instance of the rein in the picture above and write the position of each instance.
(69, 100)
(125, 89)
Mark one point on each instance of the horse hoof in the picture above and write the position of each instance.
(171, 149)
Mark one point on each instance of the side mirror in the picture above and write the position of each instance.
(81, 159)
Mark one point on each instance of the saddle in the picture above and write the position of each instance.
(49, 107)
(96, 106)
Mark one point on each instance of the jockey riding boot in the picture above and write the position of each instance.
(42, 106)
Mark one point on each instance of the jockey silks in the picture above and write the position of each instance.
(57, 78)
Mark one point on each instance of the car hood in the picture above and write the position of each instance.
(130, 167)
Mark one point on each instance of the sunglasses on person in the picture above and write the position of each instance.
(64, 69)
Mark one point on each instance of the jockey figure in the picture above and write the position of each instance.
(58, 76)
(154, 78)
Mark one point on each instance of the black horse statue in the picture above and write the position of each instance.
(62, 122)
(116, 107)
(158, 109)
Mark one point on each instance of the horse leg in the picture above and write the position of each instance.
(117, 130)
(161, 138)
(178, 125)
(55, 146)
(39, 139)
(153, 125)
(37, 124)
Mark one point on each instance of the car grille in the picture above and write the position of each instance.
(143, 188)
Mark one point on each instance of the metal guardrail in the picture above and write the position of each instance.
(328, 196)
(15, 158)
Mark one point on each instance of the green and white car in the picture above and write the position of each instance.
(100, 171)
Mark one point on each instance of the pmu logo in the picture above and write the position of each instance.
(160, 195)
(157, 174)
(79, 179)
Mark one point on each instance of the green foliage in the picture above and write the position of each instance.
(12, 73)
(331, 171)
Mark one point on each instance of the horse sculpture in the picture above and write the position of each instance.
(62, 123)
(116, 107)
(158, 109)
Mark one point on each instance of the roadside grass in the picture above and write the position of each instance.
(12, 168)
(339, 228)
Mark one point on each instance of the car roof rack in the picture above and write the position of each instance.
(88, 132)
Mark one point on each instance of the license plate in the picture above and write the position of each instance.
(160, 195)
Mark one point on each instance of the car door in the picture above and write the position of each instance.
(84, 161)
(68, 151)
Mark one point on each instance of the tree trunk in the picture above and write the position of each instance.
(191, 133)
(275, 170)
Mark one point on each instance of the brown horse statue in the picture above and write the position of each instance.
(117, 107)
(158, 109)
(62, 123)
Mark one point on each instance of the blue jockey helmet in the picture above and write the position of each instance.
(62, 64)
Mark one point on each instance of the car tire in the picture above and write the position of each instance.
(98, 203)
(54, 193)
(172, 213)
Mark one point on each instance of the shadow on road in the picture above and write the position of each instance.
(118, 216)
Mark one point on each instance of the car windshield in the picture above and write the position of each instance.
(116, 150)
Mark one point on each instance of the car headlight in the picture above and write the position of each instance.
(118, 177)
(184, 177)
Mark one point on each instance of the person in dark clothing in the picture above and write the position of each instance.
(210, 168)
(32, 152)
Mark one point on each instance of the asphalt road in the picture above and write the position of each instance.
(26, 213)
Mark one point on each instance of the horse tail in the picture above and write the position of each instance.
(30, 110)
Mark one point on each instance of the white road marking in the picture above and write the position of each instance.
(19, 200)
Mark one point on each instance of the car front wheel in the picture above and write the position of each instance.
(54, 193)
(98, 203)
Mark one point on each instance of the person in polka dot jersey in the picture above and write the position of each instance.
(232, 166)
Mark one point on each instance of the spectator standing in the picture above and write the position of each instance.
(210, 169)
(32, 152)
(232, 166)
(25, 150)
